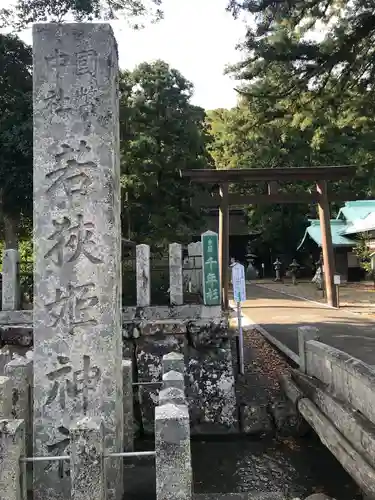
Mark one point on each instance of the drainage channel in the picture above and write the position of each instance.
(267, 458)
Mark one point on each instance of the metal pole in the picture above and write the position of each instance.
(338, 295)
(131, 454)
(45, 459)
(240, 339)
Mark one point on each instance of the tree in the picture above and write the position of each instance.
(162, 133)
(324, 42)
(292, 131)
(15, 137)
(26, 12)
(363, 252)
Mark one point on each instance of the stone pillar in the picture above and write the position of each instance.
(10, 280)
(173, 379)
(176, 293)
(173, 361)
(143, 275)
(172, 395)
(77, 241)
(127, 376)
(195, 266)
(20, 372)
(5, 357)
(305, 333)
(173, 456)
(12, 448)
(5, 397)
(87, 460)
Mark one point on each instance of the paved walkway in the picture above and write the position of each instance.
(280, 315)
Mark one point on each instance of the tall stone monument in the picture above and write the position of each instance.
(77, 242)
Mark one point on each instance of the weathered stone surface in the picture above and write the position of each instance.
(305, 333)
(10, 280)
(173, 456)
(87, 462)
(143, 276)
(19, 335)
(172, 395)
(210, 389)
(349, 379)
(5, 397)
(173, 361)
(149, 353)
(127, 387)
(255, 419)
(5, 357)
(176, 293)
(352, 424)
(20, 372)
(318, 496)
(195, 266)
(12, 448)
(286, 418)
(16, 318)
(173, 379)
(77, 275)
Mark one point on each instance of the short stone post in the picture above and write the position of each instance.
(87, 460)
(12, 471)
(172, 395)
(10, 280)
(305, 333)
(173, 379)
(173, 361)
(5, 397)
(195, 266)
(173, 456)
(127, 384)
(143, 275)
(5, 358)
(176, 293)
(20, 372)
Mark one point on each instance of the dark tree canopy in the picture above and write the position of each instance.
(162, 133)
(329, 42)
(15, 129)
(29, 11)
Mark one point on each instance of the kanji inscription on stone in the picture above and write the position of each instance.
(77, 245)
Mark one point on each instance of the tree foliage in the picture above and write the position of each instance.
(329, 42)
(265, 131)
(162, 133)
(26, 12)
(15, 132)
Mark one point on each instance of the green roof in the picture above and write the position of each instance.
(337, 227)
(354, 210)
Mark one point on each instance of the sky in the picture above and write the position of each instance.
(197, 37)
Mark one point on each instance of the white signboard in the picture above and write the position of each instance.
(336, 279)
(238, 281)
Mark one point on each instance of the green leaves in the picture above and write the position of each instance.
(15, 127)
(325, 43)
(26, 12)
(161, 134)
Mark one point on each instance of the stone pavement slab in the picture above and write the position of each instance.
(280, 315)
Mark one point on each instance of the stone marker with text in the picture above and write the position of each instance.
(211, 269)
(77, 242)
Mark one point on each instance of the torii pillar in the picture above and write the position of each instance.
(327, 246)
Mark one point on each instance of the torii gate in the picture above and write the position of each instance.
(271, 176)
